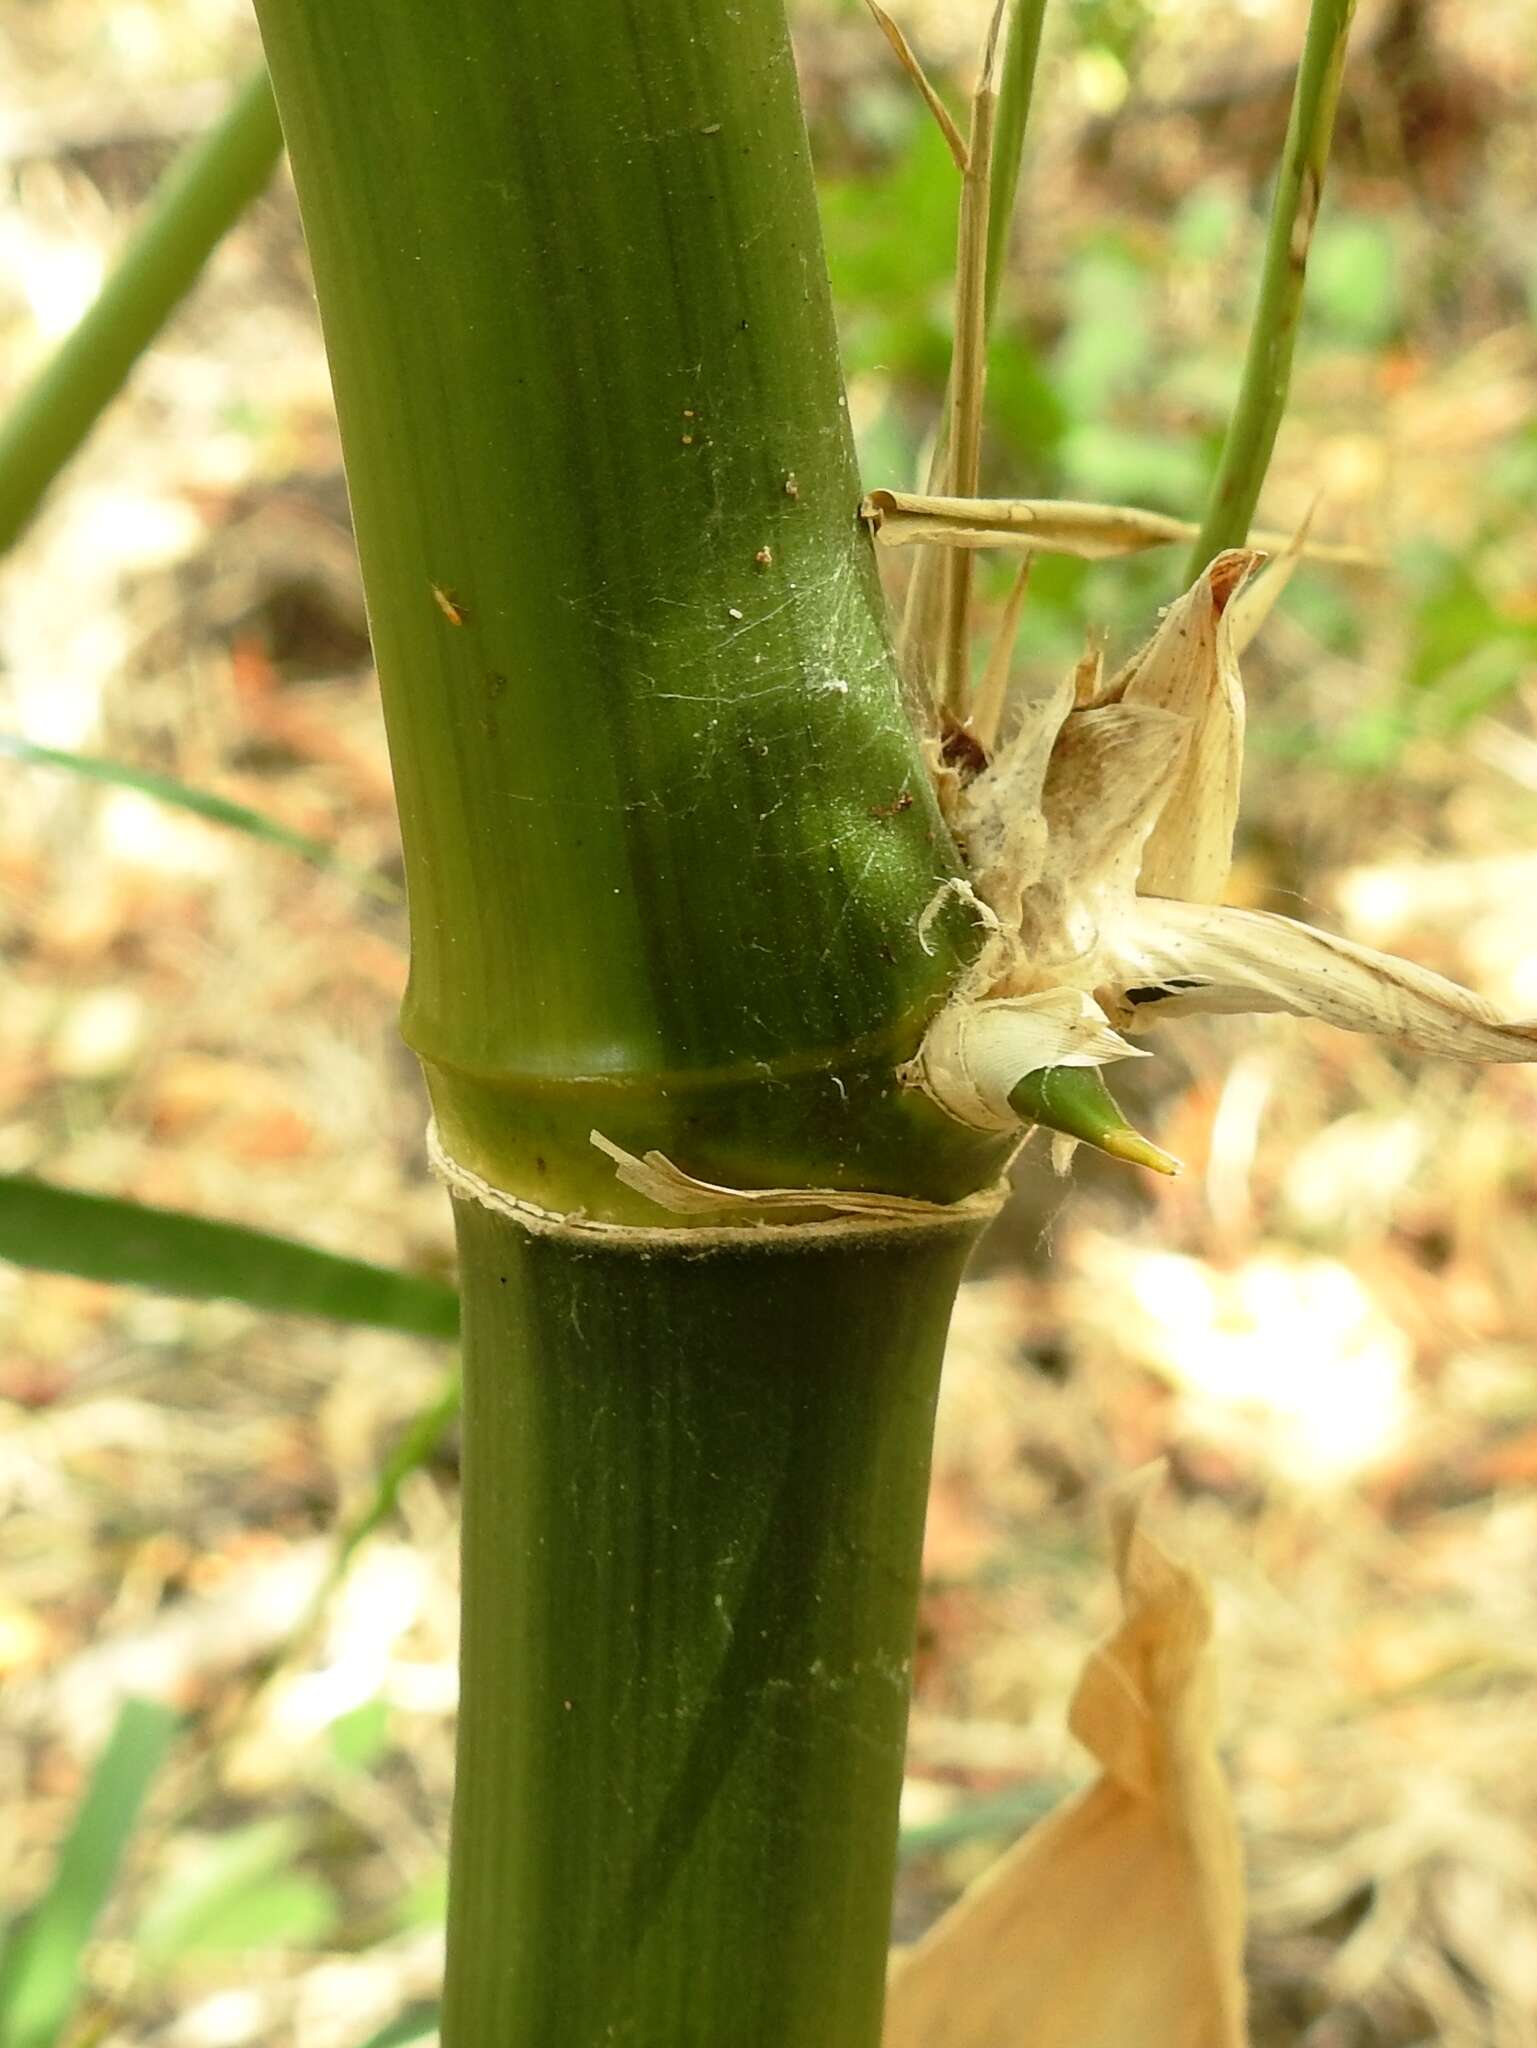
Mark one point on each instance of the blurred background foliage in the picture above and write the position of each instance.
(1328, 1327)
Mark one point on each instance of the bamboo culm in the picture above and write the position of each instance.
(671, 856)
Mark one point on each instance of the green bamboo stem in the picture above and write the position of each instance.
(205, 191)
(1266, 380)
(698, 1803)
(669, 845)
(643, 715)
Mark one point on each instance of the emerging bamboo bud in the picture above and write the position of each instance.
(975, 1055)
(1098, 843)
(1075, 1102)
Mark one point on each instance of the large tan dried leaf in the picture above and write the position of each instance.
(1111, 774)
(1189, 667)
(1118, 1921)
(1175, 958)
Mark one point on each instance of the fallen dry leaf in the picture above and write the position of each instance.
(1117, 1922)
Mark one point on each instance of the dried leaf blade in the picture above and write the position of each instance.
(1177, 958)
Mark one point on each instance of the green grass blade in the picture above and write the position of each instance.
(418, 1443)
(1266, 380)
(205, 191)
(40, 1978)
(102, 1238)
(414, 2024)
(235, 1891)
(1001, 1813)
(203, 803)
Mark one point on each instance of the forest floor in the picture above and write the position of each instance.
(1327, 1327)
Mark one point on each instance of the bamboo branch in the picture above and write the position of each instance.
(205, 191)
(968, 370)
(907, 57)
(920, 637)
(987, 710)
(1256, 419)
(1065, 526)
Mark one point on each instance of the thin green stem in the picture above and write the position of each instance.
(968, 384)
(205, 191)
(419, 1442)
(1267, 366)
(1016, 89)
(936, 609)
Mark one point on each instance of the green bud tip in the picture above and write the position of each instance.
(1076, 1101)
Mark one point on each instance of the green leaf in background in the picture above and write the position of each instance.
(1207, 224)
(233, 1892)
(1027, 414)
(1118, 27)
(1122, 465)
(203, 803)
(40, 1975)
(890, 247)
(425, 1903)
(1455, 616)
(100, 1238)
(1473, 642)
(1512, 475)
(1106, 351)
(1353, 282)
(361, 1736)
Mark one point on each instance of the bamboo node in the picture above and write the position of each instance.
(783, 1215)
